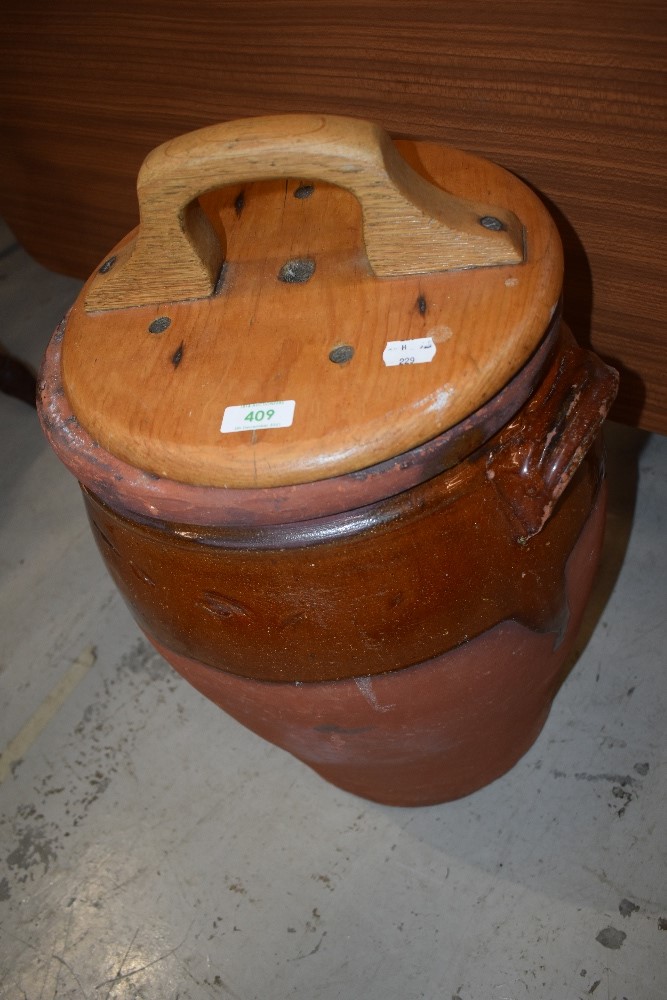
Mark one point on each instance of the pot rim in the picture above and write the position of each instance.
(128, 489)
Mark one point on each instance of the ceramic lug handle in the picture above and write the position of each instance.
(409, 225)
(542, 448)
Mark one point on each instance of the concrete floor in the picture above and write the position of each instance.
(151, 847)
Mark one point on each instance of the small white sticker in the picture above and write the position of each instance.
(409, 352)
(258, 416)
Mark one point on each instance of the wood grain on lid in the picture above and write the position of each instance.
(157, 399)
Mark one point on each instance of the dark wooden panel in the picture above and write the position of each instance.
(568, 95)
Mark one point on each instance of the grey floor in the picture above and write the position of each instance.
(151, 847)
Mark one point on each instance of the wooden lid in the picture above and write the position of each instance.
(367, 302)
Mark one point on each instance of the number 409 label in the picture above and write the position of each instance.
(258, 416)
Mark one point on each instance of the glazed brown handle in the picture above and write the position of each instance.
(540, 451)
(409, 225)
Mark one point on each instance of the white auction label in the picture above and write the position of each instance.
(258, 416)
(409, 352)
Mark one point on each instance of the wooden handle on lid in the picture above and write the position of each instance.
(409, 225)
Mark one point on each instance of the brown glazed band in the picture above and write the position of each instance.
(128, 489)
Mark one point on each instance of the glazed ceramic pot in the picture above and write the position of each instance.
(381, 567)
